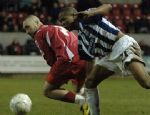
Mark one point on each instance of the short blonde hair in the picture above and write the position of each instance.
(32, 20)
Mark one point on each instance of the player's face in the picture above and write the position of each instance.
(29, 30)
(66, 21)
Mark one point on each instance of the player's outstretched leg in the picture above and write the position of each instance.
(140, 74)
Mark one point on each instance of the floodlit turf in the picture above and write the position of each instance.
(119, 96)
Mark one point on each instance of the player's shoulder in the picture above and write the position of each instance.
(43, 30)
(40, 33)
(57, 27)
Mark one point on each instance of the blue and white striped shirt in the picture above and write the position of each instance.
(96, 37)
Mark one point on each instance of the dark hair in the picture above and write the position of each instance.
(67, 11)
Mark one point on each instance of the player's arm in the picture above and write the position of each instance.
(52, 59)
(102, 10)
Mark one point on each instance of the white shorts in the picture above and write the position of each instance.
(124, 51)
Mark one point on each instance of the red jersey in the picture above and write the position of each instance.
(56, 43)
(59, 48)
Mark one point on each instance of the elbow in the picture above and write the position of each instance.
(109, 7)
(105, 9)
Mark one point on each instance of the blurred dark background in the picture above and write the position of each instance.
(130, 16)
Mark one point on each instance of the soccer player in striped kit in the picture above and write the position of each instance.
(59, 48)
(106, 49)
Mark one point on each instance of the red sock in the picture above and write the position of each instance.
(69, 97)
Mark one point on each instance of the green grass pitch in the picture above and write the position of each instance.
(119, 96)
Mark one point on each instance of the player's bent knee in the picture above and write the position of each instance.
(47, 92)
(48, 88)
(146, 85)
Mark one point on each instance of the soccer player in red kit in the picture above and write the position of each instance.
(60, 50)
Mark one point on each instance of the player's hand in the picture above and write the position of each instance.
(83, 14)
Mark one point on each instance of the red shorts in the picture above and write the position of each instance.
(68, 71)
